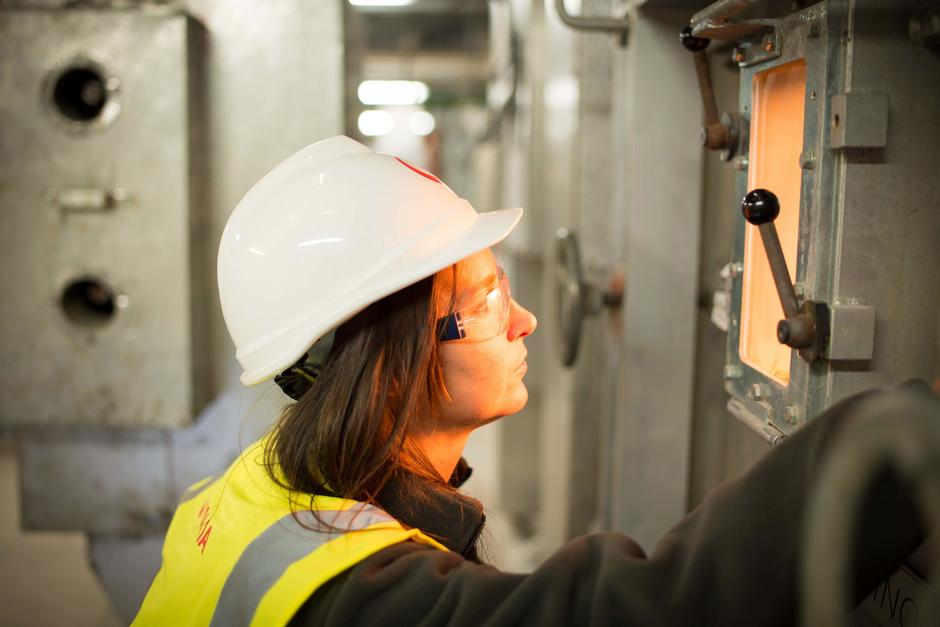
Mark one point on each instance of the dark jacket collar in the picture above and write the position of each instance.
(452, 518)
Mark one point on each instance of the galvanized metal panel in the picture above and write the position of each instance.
(293, 50)
(273, 83)
(868, 240)
(813, 35)
(663, 189)
(105, 200)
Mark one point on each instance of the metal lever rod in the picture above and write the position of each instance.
(719, 12)
(778, 267)
(697, 45)
(761, 208)
(719, 132)
(806, 326)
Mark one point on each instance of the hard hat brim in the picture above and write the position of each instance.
(422, 259)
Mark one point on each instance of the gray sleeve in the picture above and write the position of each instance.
(732, 561)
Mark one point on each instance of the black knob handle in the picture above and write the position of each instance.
(692, 43)
(760, 206)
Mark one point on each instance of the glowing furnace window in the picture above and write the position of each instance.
(777, 108)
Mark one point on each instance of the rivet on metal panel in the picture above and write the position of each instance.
(739, 163)
(733, 372)
(791, 414)
(807, 160)
(757, 392)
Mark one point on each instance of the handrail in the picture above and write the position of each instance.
(608, 24)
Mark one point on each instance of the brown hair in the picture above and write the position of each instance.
(349, 432)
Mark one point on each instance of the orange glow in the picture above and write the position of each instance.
(777, 108)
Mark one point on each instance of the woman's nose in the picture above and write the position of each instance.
(522, 322)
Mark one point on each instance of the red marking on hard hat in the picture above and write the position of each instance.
(426, 175)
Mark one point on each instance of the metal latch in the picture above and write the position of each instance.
(84, 200)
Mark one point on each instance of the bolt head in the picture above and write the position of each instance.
(756, 392)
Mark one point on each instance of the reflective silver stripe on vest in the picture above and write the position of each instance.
(263, 561)
(202, 484)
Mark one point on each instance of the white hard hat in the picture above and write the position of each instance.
(329, 231)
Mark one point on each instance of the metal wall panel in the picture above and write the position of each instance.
(96, 313)
(293, 51)
(272, 82)
(867, 245)
(662, 187)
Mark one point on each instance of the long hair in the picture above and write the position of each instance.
(349, 432)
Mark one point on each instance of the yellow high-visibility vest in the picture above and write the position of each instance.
(241, 550)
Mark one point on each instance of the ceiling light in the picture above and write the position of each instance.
(392, 92)
(380, 3)
(421, 123)
(376, 123)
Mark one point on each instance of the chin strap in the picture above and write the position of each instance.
(300, 377)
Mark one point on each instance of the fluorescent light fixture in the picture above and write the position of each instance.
(421, 122)
(380, 3)
(383, 93)
(376, 123)
(562, 92)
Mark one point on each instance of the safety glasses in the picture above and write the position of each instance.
(482, 320)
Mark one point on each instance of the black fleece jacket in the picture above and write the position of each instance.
(734, 560)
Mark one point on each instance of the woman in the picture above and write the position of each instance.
(348, 512)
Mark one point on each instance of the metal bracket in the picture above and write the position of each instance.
(852, 332)
(859, 121)
(605, 24)
(714, 21)
(753, 52)
(87, 200)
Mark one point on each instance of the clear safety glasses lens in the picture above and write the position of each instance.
(483, 320)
